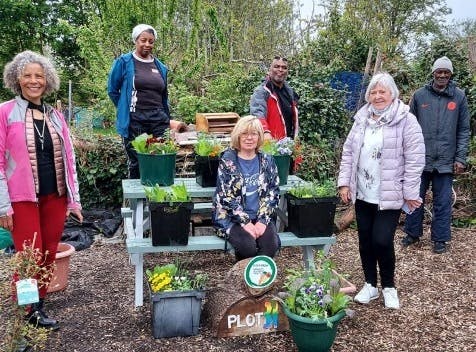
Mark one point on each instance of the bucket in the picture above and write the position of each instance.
(282, 163)
(170, 223)
(61, 272)
(206, 170)
(156, 169)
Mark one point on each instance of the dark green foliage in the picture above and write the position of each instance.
(226, 91)
(101, 165)
(320, 162)
(322, 115)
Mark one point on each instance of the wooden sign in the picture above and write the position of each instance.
(252, 315)
(236, 309)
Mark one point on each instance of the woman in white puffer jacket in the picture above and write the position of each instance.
(382, 161)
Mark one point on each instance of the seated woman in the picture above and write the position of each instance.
(247, 193)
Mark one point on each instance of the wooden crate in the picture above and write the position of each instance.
(220, 122)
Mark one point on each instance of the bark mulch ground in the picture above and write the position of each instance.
(437, 294)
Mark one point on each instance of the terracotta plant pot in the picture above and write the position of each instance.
(61, 272)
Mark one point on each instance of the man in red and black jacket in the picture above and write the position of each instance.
(275, 103)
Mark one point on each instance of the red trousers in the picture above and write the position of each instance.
(46, 218)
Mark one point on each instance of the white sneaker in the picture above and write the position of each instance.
(391, 298)
(366, 294)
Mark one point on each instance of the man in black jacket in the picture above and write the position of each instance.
(442, 111)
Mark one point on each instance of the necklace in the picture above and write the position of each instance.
(41, 136)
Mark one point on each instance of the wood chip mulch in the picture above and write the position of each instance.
(437, 295)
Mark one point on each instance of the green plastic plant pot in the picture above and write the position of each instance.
(282, 163)
(156, 169)
(313, 335)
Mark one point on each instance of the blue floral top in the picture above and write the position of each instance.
(230, 194)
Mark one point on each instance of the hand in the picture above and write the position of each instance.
(6, 221)
(458, 167)
(344, 193)
(260, 228)
(268, 136)
(413, 203)
(75, 212)
(250, 228)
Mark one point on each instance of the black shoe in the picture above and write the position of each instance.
(38, 317)
(409, 240)
(439, 247)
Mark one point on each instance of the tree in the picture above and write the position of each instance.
(24, 25)
(392, 24)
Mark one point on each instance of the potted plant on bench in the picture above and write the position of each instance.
(311, 209)
(281, 150)
(176, 300)
(315, 301)
(207, 157)
(170, 212)
(156, 156)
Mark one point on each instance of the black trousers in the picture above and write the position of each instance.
(153, 122)
(247, 246)
(376, 230)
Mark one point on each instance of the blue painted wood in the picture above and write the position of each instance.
(204, 243)
(133, 189)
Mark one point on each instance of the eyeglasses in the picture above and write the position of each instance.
(249, 134)
(277, 57)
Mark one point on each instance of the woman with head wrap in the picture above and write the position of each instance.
(382, 160)
(38, 180)
(137, 86)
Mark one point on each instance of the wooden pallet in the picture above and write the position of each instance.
(220, 122)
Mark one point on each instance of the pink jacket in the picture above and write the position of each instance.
(16, 174)
(403, 157)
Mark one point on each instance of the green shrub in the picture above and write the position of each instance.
(101, 166)
(320, 162)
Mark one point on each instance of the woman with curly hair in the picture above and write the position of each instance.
(38, 180)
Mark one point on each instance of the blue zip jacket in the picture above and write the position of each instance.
(120, 86)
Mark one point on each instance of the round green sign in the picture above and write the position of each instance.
(260, 272)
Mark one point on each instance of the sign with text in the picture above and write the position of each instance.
(253, 316)
(260, 272)
(27, 291)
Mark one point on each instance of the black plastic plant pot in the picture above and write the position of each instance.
(206, 170)
(170, 223)
(176, 313)
(311, 217)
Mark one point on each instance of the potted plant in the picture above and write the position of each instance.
(314, 302)
(176, 300)
(281, 150)
(170, 212)
(207, 153)
(311, 208)
(156, 156)
(59, 281)
(17, 333)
